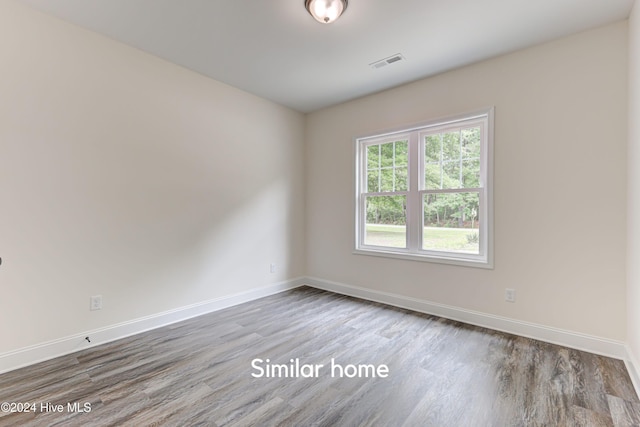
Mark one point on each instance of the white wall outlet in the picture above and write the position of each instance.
(510, 295)
(272, 268)
(95, 302)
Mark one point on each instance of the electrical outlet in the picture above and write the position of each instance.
(95, 303)
(510, 295)
(272, 268)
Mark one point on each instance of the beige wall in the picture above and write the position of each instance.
(127, 176)
(560, 185)
(633, 261)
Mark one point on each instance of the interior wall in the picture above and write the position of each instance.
(560, 185)
(633, 262)
(129, 177)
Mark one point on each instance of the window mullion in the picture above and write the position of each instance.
(379, 167)
(414, 205)
(393, 170)
(441, 160)
(460, 158)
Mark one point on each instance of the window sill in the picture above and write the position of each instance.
(450, 260)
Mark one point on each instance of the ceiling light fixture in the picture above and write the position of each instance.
(325, 11)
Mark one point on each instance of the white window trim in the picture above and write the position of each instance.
(414, 195)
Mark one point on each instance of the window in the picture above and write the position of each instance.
(425, 192)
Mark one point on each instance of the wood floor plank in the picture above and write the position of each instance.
(441, 373)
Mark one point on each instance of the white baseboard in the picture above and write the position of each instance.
(633, 367)
(63, 346)
(592, 344)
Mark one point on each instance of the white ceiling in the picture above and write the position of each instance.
(274, 48)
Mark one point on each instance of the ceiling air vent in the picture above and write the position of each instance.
(387, 61)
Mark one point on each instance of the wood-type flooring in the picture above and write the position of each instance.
(440, 373)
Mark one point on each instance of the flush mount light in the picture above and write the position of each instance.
(325, 11)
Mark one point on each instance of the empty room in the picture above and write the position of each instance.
(319, 213)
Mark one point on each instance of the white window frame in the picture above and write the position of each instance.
(414, 216)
